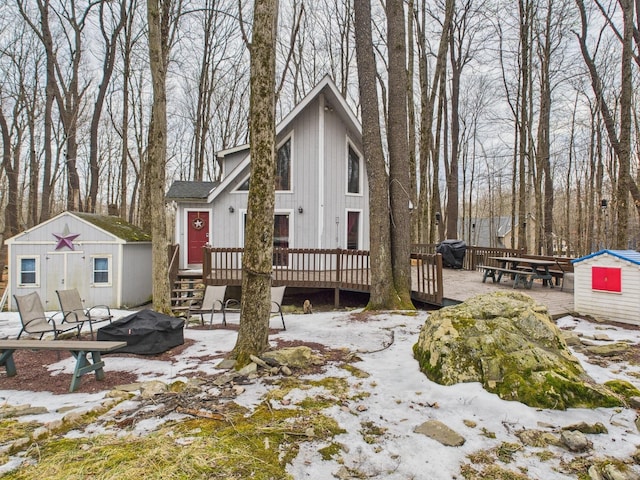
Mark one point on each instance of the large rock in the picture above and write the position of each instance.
(508, 343)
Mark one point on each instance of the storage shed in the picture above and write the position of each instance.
(607, 286)
(106, 258)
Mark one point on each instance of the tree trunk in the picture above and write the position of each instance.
(258, 249)
(157, 148)
(383, 295)
(400, 179)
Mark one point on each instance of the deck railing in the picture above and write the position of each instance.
(336, 269)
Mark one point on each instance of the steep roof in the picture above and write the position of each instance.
(628, 255)
(184, 190)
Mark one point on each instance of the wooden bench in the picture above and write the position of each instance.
(78, 348)
(520, 276)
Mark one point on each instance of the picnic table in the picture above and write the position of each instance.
(523, 270)
(78, 348)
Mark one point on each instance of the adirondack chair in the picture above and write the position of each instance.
(36, 321)
(212, 301)
(73, 310)
(277, 294)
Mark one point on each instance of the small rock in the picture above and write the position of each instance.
(439, 432)
(248, 370)
(575, 441)
(286, 371)
(40, 432)
(584, 427)
(72, 417)
(238, 389)
(608, 350)
(636, 456)
(20, 443)
(130, 387)
(603, 337)
(258, 361)
(151, 389)
(594, 473)
(226, 364)
(470, 423)
(634, 402)
(362, 408)
(610, 472)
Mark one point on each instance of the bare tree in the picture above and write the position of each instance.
(383, 292)
(160, 14)
(257, 261)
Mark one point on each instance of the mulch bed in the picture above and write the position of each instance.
(33, 373)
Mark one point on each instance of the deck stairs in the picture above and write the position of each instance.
(187, 287)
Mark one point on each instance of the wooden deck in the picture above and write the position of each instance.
(459, 285)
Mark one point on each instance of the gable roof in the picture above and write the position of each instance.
(334, 101)
(628, 255)
(183, 190)
(114, 226)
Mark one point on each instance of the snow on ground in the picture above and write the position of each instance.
(396, 397)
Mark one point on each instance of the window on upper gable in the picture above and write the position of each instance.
(354, 163)
(244, 186)
(283, 166)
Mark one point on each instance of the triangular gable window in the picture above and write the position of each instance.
(283, 170)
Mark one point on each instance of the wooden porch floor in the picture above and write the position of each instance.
(459, 285)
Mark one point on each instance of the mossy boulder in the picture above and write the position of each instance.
(507, 342)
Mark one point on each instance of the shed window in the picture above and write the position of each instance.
(101, 270)
(353, 171)
(28, 271)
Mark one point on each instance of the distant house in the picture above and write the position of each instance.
(107, 259)
(607, 285)
(321, 185)
(495, 231)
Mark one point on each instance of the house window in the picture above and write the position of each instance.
(244, 186)
(283, 166)
(28, 271)
(353, 171)
(100, 270)
(280, 238)
(353, 230)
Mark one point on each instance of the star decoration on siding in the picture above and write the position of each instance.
(65, 239)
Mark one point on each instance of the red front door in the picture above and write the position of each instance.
(197, 235)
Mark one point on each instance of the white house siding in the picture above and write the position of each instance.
(336, 197)
(608, 306)
(136, 278)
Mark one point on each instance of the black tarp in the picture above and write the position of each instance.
(452, 252)
(146, 332)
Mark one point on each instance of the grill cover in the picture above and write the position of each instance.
(146, 332)
(452, 252)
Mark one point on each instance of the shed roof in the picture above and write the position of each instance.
(116, 226)
(629, 255)
(184, 190)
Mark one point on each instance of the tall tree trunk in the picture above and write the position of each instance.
(383, 294)
(400, 179)
(157, 13)
(257, 262)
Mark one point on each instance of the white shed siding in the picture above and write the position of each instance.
(136, 279)
(610, 306)
(65, 268)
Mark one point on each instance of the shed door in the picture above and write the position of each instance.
(63, 271)
(197, 235)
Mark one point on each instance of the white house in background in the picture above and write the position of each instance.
(322, 193)
(607, 285)
(107, 259)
